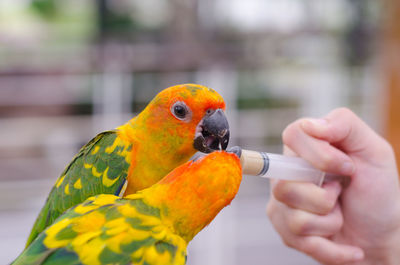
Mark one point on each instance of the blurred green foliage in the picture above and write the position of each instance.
(45, 8)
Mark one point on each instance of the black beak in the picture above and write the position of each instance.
(212, 133)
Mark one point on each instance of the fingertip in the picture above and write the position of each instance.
(358, 255)
(347, 168)
(313, 125)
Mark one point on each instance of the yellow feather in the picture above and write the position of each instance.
(95, 150)
(116, 226)
(137, 254)
(66, 189)
(161, 234)
(95, 172)
(59, 181)
(104, 199)
(89, 253)
(82, 239)
(127, 210)
(114, 242)
(111, 148)
(152, 256)
(50, 241)
(90, 222)
(82, 209)
(106, 180)
(78, 184)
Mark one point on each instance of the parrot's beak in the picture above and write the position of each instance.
(212, 133)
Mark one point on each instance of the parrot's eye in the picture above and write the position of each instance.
(181, 111)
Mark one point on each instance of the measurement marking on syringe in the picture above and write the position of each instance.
(266, 164)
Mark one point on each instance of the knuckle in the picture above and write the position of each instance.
(328, 203)
(343, 111)
(336, 225)
(310, 247)
(327, 160)
(298, 224)
(326, 207)
(385, 149)
(270, 210)
(290, 132)
(283, 193)
(287, 242)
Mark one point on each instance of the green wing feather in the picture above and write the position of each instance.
(128, 231)
(101, 166)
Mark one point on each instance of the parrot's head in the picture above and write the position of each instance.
(186, 118)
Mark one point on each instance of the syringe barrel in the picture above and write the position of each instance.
(293, 168)
(280, 167)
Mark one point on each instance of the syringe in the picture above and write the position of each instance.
(267, 165)
(276, 166)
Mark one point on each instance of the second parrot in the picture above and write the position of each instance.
(150, 227)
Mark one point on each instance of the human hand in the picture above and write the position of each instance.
(359, 224)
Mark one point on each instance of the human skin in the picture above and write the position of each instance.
(356, 224)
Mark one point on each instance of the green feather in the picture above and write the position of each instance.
(35, 255)
(65, 254)
(58, 201)
(146, 209)
(107, 256)
(62, 257)
(161, 247)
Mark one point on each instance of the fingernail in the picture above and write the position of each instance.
(358, 255)
(314, 123)
(347, 168)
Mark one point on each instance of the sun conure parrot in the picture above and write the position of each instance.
(179, 121)
(150, 227)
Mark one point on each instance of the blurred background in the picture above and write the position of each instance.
(70, 69)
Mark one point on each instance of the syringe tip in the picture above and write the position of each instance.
(236, 150)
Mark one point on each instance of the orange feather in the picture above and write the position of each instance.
(194, 193)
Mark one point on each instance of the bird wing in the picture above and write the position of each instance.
(101, 166)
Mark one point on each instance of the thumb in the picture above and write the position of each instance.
(346, 131)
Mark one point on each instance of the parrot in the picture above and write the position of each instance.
(177, 122)
(152, 226)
